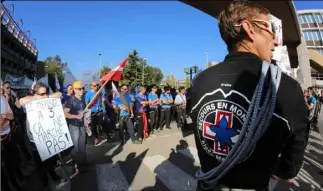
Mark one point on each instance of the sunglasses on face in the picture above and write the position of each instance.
(41, 94)
(7, 87)
(96, 85)
(79, 89)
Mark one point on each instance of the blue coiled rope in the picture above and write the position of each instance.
(255, 125)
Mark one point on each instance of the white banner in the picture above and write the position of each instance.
(48, 126)
(284, 62)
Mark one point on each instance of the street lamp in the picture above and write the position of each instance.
(143, 70)
(192, 70)
(100, 58)
(207, 59)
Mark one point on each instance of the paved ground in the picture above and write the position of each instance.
(168, 161)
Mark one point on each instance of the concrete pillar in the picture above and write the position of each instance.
(304, 71)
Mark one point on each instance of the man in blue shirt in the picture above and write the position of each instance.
(180, 104)
(311, 103)
(96, 111)
(124, 103)
(153, 109)
(166, 105)
(142, 102)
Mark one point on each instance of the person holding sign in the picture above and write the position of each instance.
(74, 113)
(47, 166)
(124, 103)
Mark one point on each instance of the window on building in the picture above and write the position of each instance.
(318, 17)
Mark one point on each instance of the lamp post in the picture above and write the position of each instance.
(192, 70)
(207, 59)
(143, 70)
(100, 60)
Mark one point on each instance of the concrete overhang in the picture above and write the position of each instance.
(316, 60)
(283, 10)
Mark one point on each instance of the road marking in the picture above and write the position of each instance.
(110, 152)
(110, 177)
(190, 152)
(172, 176)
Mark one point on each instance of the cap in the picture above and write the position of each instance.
(77, 84)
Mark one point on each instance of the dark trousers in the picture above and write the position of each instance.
(126, 122)
(181, 118)
(153, 119)
(97, 121)
(165, 114)
(113, 118)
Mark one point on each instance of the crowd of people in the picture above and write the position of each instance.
(118, 113)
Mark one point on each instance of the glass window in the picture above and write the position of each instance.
(318, 17)
(300, 21)
(303, 18)
(308, 18)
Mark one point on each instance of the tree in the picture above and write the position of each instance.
(138, 72)
(104, 70)
(53, 65)
(170, 80)
(157, 76)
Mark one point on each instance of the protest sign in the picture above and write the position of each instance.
(277, 24)
(48, 126)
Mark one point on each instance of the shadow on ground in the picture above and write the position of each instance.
(184, 163)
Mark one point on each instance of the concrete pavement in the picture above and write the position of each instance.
(168, 161)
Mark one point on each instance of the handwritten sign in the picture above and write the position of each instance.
(277, 24)
(48, 126)
(284, 62)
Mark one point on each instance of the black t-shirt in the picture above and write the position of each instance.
(76, 106)
(220, 100)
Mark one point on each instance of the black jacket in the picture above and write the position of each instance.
(226, 90)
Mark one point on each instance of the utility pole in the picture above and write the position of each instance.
(143, 70)
(207, 59)
(100, 64)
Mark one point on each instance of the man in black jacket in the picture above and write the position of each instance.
(219, 109)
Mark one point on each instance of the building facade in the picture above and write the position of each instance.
(311, 22)
(18, 52)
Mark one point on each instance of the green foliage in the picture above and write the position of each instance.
(104, 70)
(170, 80)
(138, 72)
(54, 65)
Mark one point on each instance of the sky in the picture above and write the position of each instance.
(169, 34)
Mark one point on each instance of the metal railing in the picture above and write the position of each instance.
(15, 30)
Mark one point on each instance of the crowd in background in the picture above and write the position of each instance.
(114, 115)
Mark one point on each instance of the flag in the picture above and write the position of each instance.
(115, 91)
(115, 74)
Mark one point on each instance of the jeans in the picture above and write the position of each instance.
(126, 121)
(78, 136)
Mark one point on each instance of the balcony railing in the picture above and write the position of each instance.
(15, 30)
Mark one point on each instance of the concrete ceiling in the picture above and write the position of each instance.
(316, 60)
(283, 10)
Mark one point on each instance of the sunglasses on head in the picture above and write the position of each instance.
(265, 25)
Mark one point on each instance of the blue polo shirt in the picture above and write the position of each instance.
(97, 107)
(153, 97)
(166, 96)
(118, 103)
